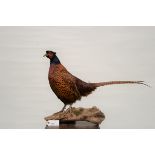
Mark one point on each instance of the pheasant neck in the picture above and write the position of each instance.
(54, 60)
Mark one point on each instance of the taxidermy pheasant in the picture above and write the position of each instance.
(69, 88)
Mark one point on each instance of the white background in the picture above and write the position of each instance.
(93, 54)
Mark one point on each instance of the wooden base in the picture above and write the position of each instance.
(74, 125)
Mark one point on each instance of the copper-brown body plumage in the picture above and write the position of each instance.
(69, 88)
(63, 84)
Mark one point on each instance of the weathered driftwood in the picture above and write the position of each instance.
(93, 115)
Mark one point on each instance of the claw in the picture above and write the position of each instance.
(69, 109)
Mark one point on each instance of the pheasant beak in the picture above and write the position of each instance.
(45, 55)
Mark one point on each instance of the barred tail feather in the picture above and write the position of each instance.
(120, 82)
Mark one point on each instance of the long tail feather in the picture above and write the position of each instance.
(120, 82)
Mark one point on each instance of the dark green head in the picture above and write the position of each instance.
(52, 56)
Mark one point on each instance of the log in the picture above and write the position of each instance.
(93, 115)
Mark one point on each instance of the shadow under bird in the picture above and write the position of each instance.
(69, 88)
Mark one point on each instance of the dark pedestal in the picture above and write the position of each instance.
(74, 125)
